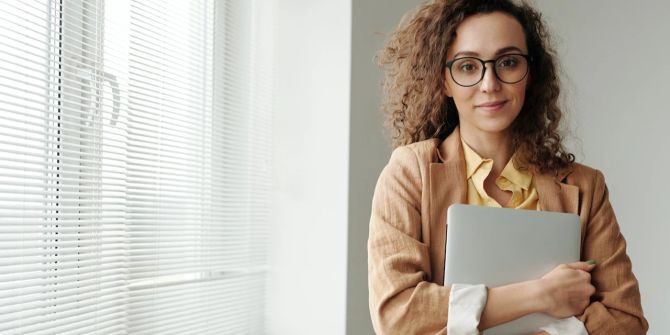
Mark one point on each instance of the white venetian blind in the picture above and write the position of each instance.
(134, 166)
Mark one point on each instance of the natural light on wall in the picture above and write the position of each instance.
(134, 166)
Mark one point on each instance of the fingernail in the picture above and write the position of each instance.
(591, 261)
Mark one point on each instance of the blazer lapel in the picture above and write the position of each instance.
(556, 196)
(447, 186)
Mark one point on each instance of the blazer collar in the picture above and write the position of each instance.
(449, 171)
(554, 194)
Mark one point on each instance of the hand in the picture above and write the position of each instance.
(567, 289)
(540, 333)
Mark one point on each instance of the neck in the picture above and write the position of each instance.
(496, 146)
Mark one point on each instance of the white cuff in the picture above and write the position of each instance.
(568, 326)
(466, 303)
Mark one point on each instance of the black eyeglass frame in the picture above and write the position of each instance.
(528, 58)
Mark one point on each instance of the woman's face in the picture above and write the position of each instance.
(491, 105)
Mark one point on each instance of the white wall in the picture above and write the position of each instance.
(617, 76)
(307, 289)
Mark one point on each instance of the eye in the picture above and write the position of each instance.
(467, 66)
(508, 62)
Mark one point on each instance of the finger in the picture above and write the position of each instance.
(591, 290)
(584, 266)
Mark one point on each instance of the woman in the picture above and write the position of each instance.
(472, 97)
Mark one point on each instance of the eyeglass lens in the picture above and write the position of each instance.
(469, 71)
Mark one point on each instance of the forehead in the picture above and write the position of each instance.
(485, 34)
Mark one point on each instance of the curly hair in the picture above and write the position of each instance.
(414, 62)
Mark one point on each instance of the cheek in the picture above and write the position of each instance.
(463, 94)
(455, 91)
(463, 98)
(448, 86)
(520, 92)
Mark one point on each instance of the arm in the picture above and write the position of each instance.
(561, 293)
(615, 308)
(401, 299)
(510, 302)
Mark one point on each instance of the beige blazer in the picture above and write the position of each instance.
(407, 241)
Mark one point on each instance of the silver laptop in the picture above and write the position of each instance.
(499, 246)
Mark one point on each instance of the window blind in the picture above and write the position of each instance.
(134, 166)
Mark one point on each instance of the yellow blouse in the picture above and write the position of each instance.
(519, 182)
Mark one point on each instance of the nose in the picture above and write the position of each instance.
(490, 82)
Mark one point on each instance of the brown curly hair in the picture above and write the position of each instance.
(414, 61)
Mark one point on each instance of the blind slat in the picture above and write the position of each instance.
(135, 163)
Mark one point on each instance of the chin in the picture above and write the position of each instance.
(495, 126)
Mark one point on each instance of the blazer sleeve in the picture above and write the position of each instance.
(615, 307)
(401, 299)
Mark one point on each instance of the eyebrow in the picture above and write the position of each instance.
(498, 53)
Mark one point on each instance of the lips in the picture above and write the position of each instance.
(492, 105)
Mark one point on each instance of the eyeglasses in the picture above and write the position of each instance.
(509, 68)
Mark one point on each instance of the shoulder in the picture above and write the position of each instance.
(417, 153)
(583, 175)
(409, 163)
(590, 181)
